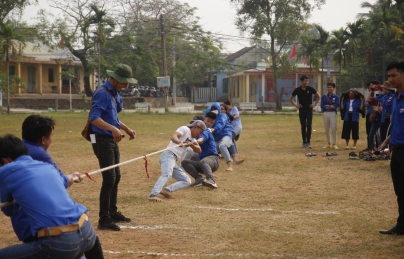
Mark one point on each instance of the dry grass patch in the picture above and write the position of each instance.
(279, 203)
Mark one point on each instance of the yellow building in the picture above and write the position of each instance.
(41, 70)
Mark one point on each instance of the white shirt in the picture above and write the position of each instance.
(350, 105)
(185, 134)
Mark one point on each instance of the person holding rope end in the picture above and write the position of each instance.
(106, 105)
(182, 138)
(61, 226)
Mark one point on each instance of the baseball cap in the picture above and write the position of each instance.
(197, 123)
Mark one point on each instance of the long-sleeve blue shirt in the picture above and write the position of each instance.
(222, 125)
(334, 101)
(39, 190)
(104, 107)
(387, 105)
(355, 109)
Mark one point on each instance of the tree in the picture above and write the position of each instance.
(10, 40)
(8, 6)
(338, 43)
(280, 20)
(73, 30)
(309, 48)
(324, 47)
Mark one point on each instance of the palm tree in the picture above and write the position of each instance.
(338, 43)
(323, 45)
(308, 48)
(356, 35)
(384, 24)
(10, 38)
(101, 20)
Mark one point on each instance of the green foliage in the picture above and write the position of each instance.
(15, 83)
(9, 6)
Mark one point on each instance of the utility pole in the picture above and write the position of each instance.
(164, 62)
(174, 81)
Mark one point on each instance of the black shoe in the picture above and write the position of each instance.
(108, 225)
(392, 231)
(198, 182)
(118, 217)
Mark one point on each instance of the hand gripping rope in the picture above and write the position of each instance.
(88, 175)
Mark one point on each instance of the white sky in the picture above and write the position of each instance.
(218, 16)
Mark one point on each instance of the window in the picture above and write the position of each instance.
(225, 85)
(12, 70)
(51, 76)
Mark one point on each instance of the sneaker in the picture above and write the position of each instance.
(210, 183)
(328, 146)
(303, 145)
(118, 217)
(334, 147)
(308, 145)
(198, 182)
(108, 225)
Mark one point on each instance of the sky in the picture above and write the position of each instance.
(218, 16)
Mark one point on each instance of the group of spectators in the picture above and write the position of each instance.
(378, 105)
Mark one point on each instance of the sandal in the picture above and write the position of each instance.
(331, 154)
(353, 154)
(310, 154)
(347, 148)
(353, 148)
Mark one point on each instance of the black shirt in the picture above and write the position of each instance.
(305, 97)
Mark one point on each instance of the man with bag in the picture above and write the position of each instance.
(106, 126)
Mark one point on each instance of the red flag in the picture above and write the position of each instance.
(304, 61)
(293, 55)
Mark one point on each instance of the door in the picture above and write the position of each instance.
(31, 80)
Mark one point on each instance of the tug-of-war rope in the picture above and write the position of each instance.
(88, 175)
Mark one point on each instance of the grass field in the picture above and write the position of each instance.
(279, 203)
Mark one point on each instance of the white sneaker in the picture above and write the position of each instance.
(334, 147)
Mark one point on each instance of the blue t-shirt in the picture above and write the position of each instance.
(208, 145)
(39, 190)
(236, 123)
(104, 107)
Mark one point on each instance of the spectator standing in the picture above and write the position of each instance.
(329, 105)
(351, 111)
(305, 94)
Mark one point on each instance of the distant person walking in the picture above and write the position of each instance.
(304, 95)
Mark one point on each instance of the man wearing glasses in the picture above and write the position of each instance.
(106, 105)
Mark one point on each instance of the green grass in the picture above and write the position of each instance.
(279, 203)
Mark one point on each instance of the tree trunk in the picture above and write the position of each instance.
(8, 83)
(274, 77)
(86, 69)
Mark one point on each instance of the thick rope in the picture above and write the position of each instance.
(5, 204)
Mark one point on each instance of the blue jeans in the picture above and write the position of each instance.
(372, 133)
(222, 145)
(69, 245)
(108, 154)
(169, 169)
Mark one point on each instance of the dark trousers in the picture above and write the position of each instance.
(306, 117)
(397, 175)
(107, 153)
(207, 166)
(348, 127)
(384, 126)
(368, 126)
